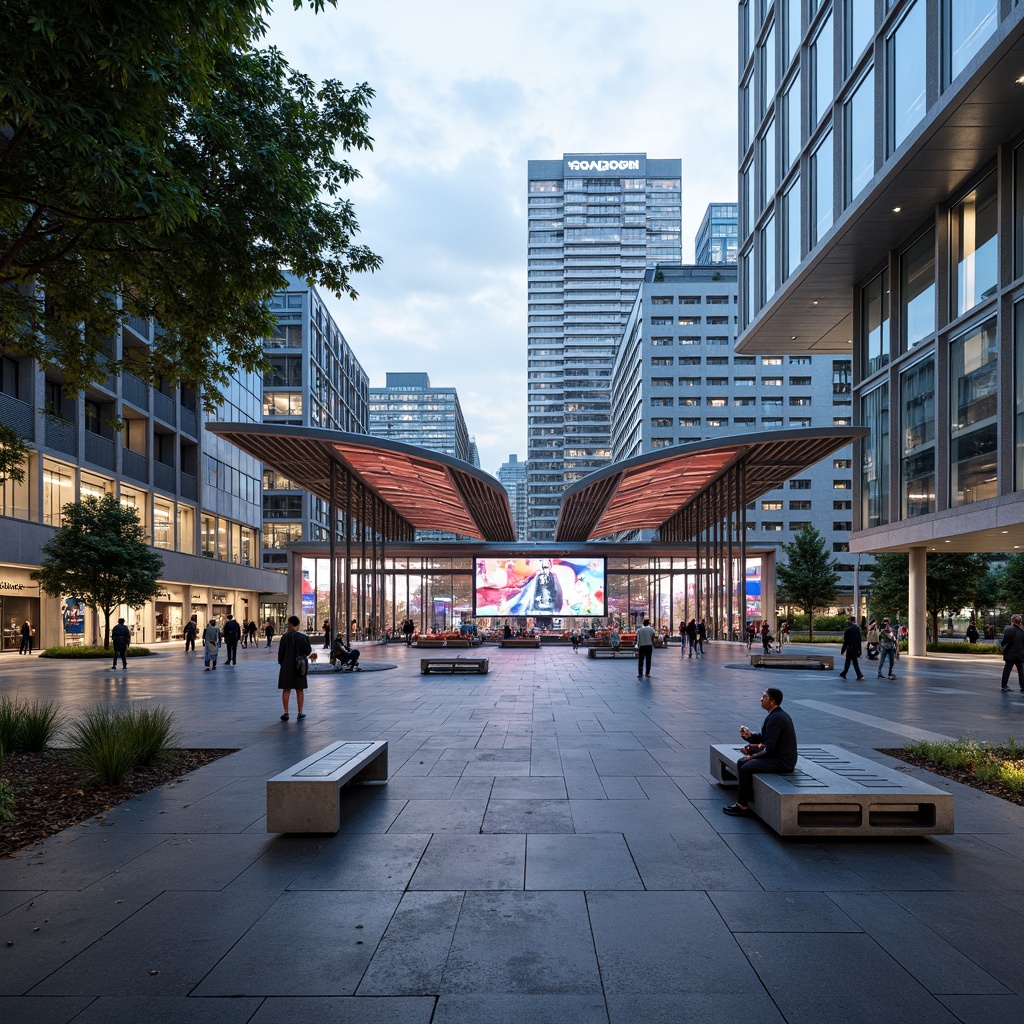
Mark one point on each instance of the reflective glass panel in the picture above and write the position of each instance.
(821, 170)
(917, 291)
(768, 257)
(860, 138)
(975, 243)
(875, 323)
(822, 61)
(768, 164)
(973, 386)
(907, 75)
(791, 213)
(917, 392)
(792, 117)
(968, 24)
(768, 70)
(793, 29)
(874, 474)
(860, 26)
(1018, 211)
(1018, 394)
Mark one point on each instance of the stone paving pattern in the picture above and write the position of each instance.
(550, 848)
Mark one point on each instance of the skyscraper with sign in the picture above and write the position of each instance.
(596, 222)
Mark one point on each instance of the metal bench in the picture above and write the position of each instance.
(826, 661)
(611, 652)
(835, 793)
(478, 666)
(306, 797)
(519, 642)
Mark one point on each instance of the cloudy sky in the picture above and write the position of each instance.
(467, 93)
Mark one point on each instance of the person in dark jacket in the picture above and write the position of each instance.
(120, 637)
(191, 631)
(773, 750)
(1012, 644)
(851, 648)
(232, 634)
(26, 638)
(293, 645)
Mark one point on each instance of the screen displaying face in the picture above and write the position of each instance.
(539, 586)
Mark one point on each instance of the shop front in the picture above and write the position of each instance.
(19, 603)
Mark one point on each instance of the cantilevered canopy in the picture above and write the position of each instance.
(427, 490)
(648, 491)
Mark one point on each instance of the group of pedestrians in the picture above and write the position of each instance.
(882, 639)
(695, 633)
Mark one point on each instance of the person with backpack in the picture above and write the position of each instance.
(1012, 646)
(293, 653)
(887, 646)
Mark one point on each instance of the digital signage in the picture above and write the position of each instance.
(539, 586)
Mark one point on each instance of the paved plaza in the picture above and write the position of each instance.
(550, 849)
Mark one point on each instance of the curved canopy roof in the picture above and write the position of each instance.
(645, 492)
(428, 490)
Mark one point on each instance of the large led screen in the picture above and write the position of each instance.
(539, 586)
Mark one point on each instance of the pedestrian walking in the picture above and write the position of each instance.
(691, 636)
(702, 635)
(26, 637)
(682, 638)
(120, 637)
(574, 636)
(253, 630)
(293, 656)
(232, 634)
(1012, 646)
(211, 646)
(191, 631)
(851, 648)
(887, 644)
(268, 629)
(327, 634)
(644, 649)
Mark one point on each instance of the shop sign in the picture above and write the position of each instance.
(11, 585)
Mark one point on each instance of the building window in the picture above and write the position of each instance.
(791, 229)
(823, 67)
(859, 116)
(917, 291)
(875, 458)
(907, 74)
(917, 470)
(793, 29)
(874, 305)
(968, 24)
(767, 146)
(860, 27)
(1018, 211)
(1018, 411)
(771, 527)
(767, 62)
(771, 506)
(974, 248)
(842, 463)
(800, 485)
(792, 138)
(973, 384)
(842, 506)
(768, 258)
(799, 506)
(821, 196)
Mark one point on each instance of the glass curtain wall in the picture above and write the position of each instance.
(874, 478)
(973, 387)
(917, 393)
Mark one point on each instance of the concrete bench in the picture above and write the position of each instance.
(519, 642)
(835, 793)
(306, 797)
(478, 666)
(826, 661)
(436, 643)
(611, 652)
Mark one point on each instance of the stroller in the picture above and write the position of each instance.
(344, 659)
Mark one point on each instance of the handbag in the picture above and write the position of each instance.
(301, 665)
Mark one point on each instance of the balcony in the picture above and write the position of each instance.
(17, 415)
(135, 465)
(163, 476)
(134, 391)
(99, 451)
(62, 435)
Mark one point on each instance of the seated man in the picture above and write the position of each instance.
(346, 656)
(771, 751)
(614, 640)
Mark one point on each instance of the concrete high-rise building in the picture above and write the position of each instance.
(718, 235)
(677, 379)
(408, 409)
(314, 380)
(512, 476)
(596, 222)
(882, 204)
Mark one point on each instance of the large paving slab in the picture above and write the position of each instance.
(550, 848)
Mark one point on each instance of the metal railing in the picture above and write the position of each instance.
(135, 465)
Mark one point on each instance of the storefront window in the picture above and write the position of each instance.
(138, 500)
(875, 323)
(14, 496)
(874, 478)
(917, 291)
(186, 529)
(973, 384)
(208, 526)
(917, 393)
(95, 486)
(58, 490)
(248, 546)
(975, 248)
(163, 524)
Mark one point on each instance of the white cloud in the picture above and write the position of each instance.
(466, 95)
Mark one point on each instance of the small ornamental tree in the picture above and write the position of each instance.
(100, 555)
(809, 579)
(12, 455)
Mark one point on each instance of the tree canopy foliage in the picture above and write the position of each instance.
(99, 554)
(809, 579)
(156, 163)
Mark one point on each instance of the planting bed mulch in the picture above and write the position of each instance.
(957, 775)
(49, 794)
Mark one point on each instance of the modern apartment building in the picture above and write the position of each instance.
(198, 503)
(314, 380)
(718, 235)
(596, 222)
(677, 379)
(512, 476)
(882, 214)
(408, 409)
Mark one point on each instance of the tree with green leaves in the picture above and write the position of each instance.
(1011, 583)
(12, 455)
(809, 579)
(952, 582)
(99, 554)
(156, 163)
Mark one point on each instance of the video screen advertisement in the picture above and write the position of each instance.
(539, 586)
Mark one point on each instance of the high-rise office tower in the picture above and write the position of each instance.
(596, 222)
(512, 476)
(408, 409)
(718, 234)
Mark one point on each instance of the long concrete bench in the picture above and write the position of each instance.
(835, 793)
(611, 652)
(306, 797)
(454, 665)
(519, 642)
(826, 661)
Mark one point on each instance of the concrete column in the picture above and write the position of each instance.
(918, 624)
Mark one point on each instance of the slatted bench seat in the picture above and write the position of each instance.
(478, 666)
(835, 793)
(525, 642)
(306, 797)
(825, 661)
(611, 652)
